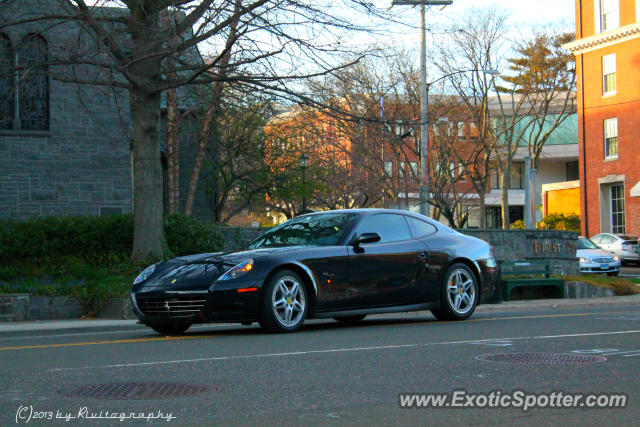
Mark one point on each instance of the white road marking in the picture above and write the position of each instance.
(121, 331)
(341, 350)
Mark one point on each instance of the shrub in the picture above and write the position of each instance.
(185, 236)
(559, 221)
(82, 242)
(517, 225)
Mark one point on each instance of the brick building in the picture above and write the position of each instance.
(607, 50)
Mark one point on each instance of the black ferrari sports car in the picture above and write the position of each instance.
(341, 264)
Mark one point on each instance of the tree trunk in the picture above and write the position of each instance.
(147, 177)
(504, 196)
(173, 147)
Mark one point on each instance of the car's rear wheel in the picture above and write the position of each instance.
(458, 295)
(170, 328)
(284, 302)
(350, 320)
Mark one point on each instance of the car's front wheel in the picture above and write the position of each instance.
(458, 295)
(284, 302)
(170, 328)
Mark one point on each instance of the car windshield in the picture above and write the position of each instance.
(309, 230)
(584, 243)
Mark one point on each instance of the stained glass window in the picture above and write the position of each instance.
(7, 98)
(33, 83)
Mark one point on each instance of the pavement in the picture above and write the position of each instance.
(328, 373)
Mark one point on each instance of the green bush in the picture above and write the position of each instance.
(78, 241)
(517, 225)
(559, 221)
(185, 236)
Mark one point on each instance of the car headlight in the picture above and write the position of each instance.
(616, 258)
(585, 261)
(144, 275)
(239, 270)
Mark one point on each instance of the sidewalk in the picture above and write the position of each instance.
(549, 304)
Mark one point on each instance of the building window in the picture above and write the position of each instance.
(399, 128)
(461, 130)
(401, 169)
(461, 171)
(7, 101)
(517, 176)
(388, 168)
(609, 74)
(611, 138)
(617, 209)
(413, 167)
(607, 15)
(24, 94)
(572, 171)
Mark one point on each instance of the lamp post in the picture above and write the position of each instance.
(303, 160)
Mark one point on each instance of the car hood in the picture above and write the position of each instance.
(197, 270)
(593, 253)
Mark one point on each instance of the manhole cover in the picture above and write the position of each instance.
(144, 390)
(541, 358)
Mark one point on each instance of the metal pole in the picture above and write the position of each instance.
(527, 192)
(304, 189)
(534, 199)
(424, 115)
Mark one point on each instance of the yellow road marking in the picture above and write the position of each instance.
(71, 344)
(135, 340)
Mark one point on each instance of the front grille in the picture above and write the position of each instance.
(181, 306)
(603, 260)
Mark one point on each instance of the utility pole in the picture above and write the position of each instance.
(424, 106)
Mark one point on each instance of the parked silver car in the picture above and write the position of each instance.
(596, 260)
(623, 245)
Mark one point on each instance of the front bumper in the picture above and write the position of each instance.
(595, 268)
(220, 304)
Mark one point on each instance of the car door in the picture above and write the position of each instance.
(428, 281)
(384, 273)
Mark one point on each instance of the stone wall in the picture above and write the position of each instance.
(559, 247)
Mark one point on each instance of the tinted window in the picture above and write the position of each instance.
(420, 228)
(390, 227)
(308, 230)
(586, 244)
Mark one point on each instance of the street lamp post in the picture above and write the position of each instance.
(304, 161)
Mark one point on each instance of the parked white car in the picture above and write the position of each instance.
(596, 260)
(623, 245)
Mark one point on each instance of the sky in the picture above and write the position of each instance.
(522, 12)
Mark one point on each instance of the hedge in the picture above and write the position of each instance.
(96, 240)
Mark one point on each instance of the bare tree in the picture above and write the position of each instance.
(267, 45)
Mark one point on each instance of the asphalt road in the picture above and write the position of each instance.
(329, 373)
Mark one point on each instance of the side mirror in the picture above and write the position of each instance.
(366, 238)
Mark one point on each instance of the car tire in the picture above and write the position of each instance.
(350, 320)
(170, 329)
(284, 303)
(458, 294)
(613, 274)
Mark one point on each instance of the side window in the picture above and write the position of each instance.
(390, 227)
(607, 240)
(596, 239)
(420, 228)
